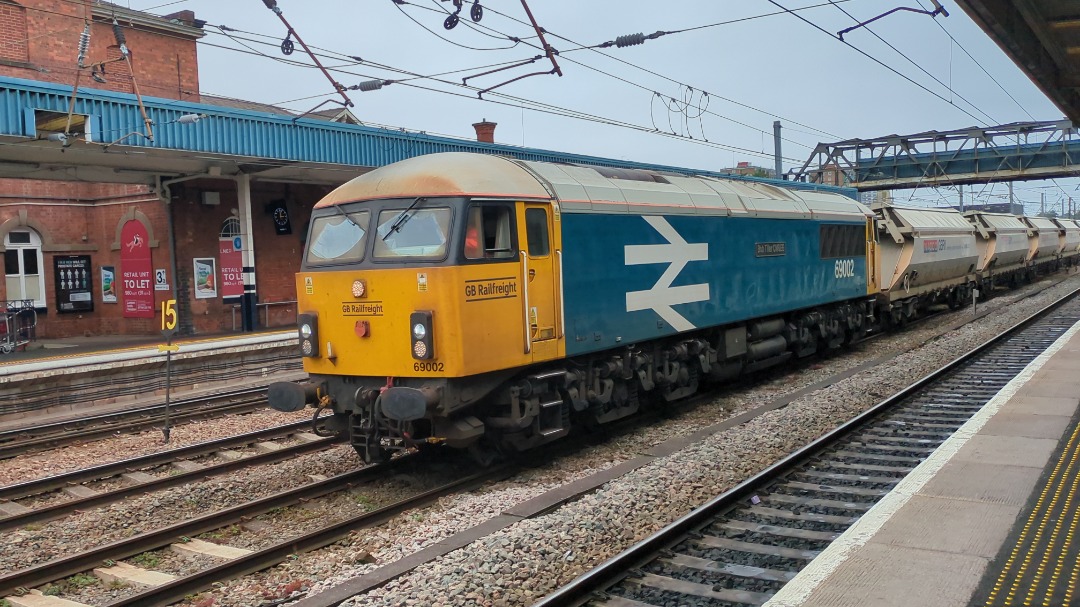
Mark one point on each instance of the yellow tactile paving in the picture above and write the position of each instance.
(1023, 584)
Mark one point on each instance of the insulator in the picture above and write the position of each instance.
(189, 118)
(84, 44)
(118, 32)
(369, 85)
(272, 5)
(630, 40)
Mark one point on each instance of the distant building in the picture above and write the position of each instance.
(876, 197)
(749, 170)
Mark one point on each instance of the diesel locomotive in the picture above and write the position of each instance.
(491, 304)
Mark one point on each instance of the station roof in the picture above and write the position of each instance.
(230, 137)
(1043, 38)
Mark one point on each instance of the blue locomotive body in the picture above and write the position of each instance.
(630, 278)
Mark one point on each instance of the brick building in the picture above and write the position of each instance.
(67, 244)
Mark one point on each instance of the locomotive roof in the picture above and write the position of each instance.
(448, 174)
(587, 188)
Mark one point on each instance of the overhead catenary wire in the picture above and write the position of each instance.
(520, 102)
(226, 29)
(877, 61)
(416, 76)
(640, 38)
(445, 39)
(916, 64)
(638, 85)
(980, 65)
(680, 83)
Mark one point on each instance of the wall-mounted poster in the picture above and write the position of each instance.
(205, 277)
(74, 283)
(136, 273)
(232, 278)
(108, 284)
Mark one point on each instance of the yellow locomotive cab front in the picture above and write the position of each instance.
(411, 310)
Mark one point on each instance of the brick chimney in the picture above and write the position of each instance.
(485, 131)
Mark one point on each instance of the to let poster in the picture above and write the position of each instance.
(205, 278)
(232, 278)
(74, 283)
(136, 273)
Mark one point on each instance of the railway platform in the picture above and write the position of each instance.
(990, 518)
(73, 377)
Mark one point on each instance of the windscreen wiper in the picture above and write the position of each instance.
(351, 220)
(401, 219)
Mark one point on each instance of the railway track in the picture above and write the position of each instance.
(743, 546)
(248, 561)
(46, 436)
(139, 482)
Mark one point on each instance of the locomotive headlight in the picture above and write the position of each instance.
(359, 288)
(308, 328)
(422, 346)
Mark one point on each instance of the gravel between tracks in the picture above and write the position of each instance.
(102, 451)
(523, 562)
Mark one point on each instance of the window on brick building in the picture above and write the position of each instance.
(23, 267)
(230, 228)
(13, 32)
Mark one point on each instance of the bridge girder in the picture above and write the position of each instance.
(1013, 152)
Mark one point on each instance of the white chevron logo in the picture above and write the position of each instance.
(662, 296)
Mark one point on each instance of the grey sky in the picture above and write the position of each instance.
(778, 64)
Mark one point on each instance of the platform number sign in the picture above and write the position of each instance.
(161, 280)
(168, 317)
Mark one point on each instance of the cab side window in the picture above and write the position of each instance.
(536, 230)
(488, 233)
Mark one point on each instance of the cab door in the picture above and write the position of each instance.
(539, 269)
(872, 262)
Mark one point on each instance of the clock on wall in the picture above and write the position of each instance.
(280, 214)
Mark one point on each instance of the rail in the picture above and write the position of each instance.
(266, 308)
